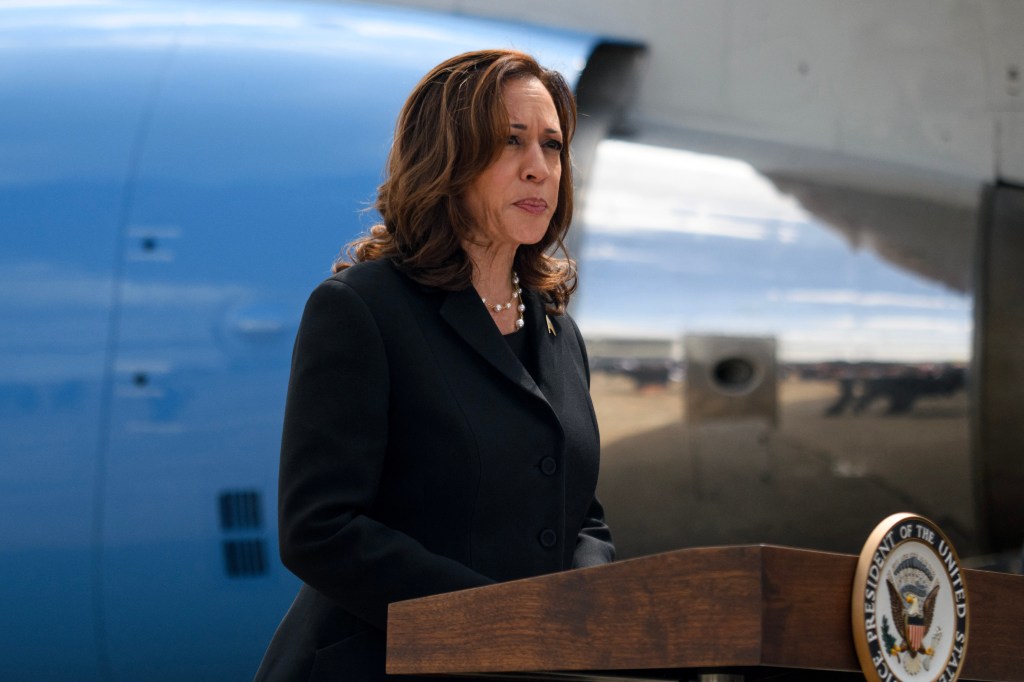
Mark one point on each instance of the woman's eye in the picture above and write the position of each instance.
(512, 139)
(555, 144)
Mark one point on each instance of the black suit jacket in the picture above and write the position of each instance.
(419, 457)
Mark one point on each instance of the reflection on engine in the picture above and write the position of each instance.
(758, 369)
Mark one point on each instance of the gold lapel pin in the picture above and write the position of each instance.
(551, 327)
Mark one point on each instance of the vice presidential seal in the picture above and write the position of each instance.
(909, 604)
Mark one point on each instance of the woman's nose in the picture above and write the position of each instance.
(535, 167)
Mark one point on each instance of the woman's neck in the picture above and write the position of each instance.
(492, 279)
(492, 270)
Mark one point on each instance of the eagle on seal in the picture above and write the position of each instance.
(912, 621)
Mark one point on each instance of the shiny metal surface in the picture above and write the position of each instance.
(870, 412)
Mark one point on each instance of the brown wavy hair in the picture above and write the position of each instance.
(451, 128)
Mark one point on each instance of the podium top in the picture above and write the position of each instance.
(707, 608)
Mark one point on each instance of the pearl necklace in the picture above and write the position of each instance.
(516, 295)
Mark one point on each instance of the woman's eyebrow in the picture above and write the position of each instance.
(523, 126)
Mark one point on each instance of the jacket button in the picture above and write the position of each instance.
(548, 465)
(548, 538)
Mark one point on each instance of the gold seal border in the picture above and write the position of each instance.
(860, 579)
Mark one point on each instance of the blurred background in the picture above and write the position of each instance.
(799, 237)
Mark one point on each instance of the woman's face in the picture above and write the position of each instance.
(511, 202)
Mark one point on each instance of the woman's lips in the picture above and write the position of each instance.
(534, 206)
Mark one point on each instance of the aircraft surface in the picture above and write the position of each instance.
(175, 178)
(795, 295)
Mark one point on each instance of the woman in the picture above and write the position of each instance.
(439, 433)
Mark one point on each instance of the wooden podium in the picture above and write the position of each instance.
(750, 611)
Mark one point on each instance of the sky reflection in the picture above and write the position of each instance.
(681, 243)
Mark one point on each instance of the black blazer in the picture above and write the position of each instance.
(419, 457)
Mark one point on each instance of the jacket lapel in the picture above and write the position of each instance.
(466, 314)
(554, 368)
(557, 368)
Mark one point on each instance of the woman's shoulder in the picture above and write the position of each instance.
(371, 280)
(377, 286)
(370, 291)
(369, 274)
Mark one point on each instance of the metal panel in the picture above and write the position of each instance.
(999, 392)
